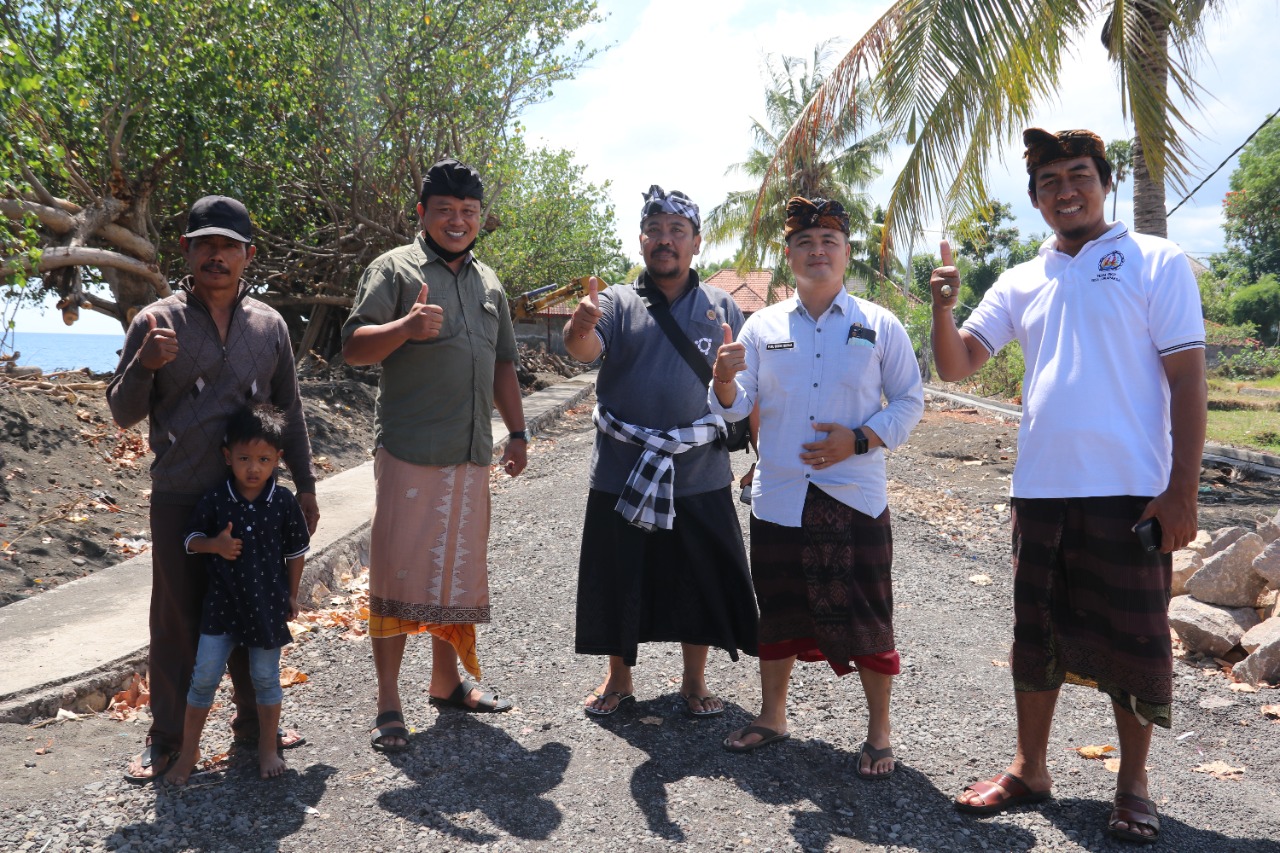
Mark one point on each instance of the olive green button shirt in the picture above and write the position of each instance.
(435, 397)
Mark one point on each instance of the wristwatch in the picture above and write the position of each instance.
(860, 442)
(520, 434)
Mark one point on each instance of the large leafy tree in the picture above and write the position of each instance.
(839, 163)
(319, 114)
(1252, 207)
(960, 78)
(555, 226)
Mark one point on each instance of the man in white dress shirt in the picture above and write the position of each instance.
(821, 545)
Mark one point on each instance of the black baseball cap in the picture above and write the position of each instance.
(218, 214)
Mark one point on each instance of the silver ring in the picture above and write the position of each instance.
(945, 290)
(822, 460)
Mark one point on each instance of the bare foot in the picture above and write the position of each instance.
(270, 764)
(180, 772)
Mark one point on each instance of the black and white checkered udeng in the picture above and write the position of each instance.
(647, 498)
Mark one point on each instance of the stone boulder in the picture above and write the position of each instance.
(1269, 528)
(1260, 635)
(1208, 629)
(1223, 539)
(1267, 564)
(1227, 578)
(1263, 664)
(1185, 564)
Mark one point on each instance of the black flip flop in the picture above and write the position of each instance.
(488, 703)
(767, 736)
(150, 754)
(382, 730)
(875, 755)
(605, 712)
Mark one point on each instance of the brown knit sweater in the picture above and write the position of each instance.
(190, 399)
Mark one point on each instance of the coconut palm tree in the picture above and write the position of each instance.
(1120, 156)
(960, 78)
(838, 163)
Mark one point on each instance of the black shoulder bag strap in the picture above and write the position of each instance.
(739, 434)
(696, 360)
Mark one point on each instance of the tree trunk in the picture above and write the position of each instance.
(1148, 198)
(1148, 194)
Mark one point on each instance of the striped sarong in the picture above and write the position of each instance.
(1091, 605)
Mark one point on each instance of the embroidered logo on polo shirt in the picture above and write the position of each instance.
(703, 345)
(1108, 266)
(1111, 262)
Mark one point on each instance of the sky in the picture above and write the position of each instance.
(670, 99)
(671, 102)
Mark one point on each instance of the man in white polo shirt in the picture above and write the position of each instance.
(1112, 433)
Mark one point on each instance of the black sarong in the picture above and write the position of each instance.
(1091, 605)
(689, 584)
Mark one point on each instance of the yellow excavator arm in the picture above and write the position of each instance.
(528, 304)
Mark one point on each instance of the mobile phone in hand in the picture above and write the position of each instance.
(1149, 533)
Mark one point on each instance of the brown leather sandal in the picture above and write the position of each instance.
(1008, 791)
(1135, 811)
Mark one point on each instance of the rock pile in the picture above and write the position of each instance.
(1225, 598)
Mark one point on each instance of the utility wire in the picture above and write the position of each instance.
(1223, 163)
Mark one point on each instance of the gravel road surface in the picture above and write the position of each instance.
(546, 777)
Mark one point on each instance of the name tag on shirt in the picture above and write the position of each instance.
(860, 335)
(783, 345)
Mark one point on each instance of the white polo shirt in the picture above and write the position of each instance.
(829, 369)
(1093, 330)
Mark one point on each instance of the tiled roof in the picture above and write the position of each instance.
(749, 291)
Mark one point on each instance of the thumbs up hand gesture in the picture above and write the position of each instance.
(731, 357)
(424, 320)
(159, 347)
(225, 545)
(945, 281)
(587, 314)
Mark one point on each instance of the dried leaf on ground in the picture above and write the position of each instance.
(999, 663)
(290, 676)
(1220, 770)
(1094, 752)
(980, 580)
(125, 704)
(1112, 765)
(651, 721)
(1242, 687)
(1271, 711)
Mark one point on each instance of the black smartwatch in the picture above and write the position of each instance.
(860, 442)
(520, 434)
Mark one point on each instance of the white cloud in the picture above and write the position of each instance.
(672, 103)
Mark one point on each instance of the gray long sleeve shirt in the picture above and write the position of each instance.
(190, 399)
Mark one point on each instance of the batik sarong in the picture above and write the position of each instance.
(428, 569)
(825, 588)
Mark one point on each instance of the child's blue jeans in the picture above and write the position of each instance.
(211, 662)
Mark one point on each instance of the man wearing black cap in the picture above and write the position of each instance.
(662, 556)
(1111, 438)
(437, 321)
(189, 362)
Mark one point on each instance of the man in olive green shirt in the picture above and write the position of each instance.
(436, 319)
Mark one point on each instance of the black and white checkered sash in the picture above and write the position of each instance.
(647, 500)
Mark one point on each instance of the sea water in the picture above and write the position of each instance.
(52, 351)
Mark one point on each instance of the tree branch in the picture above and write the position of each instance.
(58, 257)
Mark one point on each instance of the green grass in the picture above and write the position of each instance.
(1253, 428)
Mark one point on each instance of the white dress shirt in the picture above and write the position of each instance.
(806, 371)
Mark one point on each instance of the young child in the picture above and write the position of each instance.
(255, 535)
